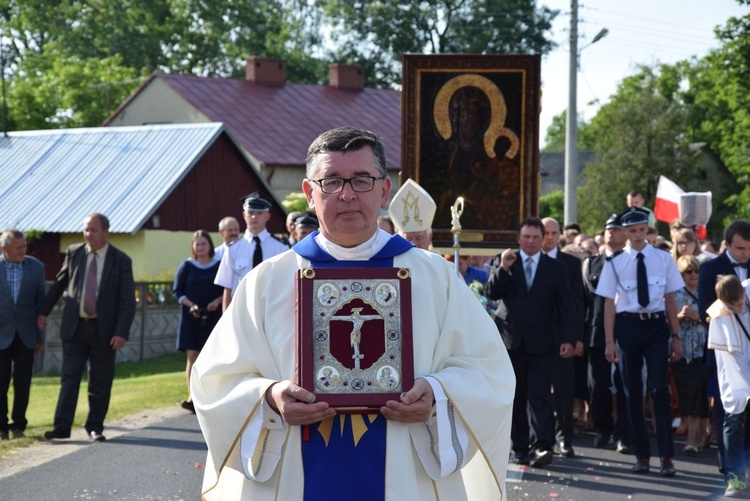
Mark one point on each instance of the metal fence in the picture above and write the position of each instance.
(153, 333)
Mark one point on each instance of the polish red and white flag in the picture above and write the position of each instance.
(667, 205)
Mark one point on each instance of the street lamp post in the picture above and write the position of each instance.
(571, 126)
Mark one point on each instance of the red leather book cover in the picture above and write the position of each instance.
(354, 335)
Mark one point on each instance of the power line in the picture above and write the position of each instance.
(660, 23)
(683, 37)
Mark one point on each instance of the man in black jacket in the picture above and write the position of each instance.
(563, 380)
(541, 324)
(96, 319)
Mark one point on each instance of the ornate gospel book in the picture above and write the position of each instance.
(354, 335)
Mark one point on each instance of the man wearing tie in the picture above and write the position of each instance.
(541, 324)
(96, 319)
(21, 299)
(563, 380)
(249, 251)
(640, 322)
(733, 261)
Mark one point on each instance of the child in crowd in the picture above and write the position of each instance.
(729, 337)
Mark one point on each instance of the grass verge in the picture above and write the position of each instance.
(138, 386)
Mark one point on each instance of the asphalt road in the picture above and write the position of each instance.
(164, 459)
(603, 474)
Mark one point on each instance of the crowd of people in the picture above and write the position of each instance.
(626, 353)
(621, 360)
(97, 282)
(624, 333)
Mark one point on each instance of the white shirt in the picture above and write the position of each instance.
(732, 349)
(238, 261)
(101, 254)
(219, 251)
(534, 264)
(738, 270)
(620, 281)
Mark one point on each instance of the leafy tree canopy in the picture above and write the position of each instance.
(639, 135)
(376, 34)
(555, 137)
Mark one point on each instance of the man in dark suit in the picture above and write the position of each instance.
(541, 324)
(98, 312)
(563, 380)
(733, 261)
(21, 299)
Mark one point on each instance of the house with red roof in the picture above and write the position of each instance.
(274, 121)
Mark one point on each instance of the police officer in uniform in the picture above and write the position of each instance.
(249, 251)
(640, 322)
(304, 225)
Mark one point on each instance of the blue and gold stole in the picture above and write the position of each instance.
(345, 454)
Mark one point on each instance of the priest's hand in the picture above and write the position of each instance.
(415, 406)
(296, 404)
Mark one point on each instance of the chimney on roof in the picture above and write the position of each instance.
(265, 70)
(346, 76)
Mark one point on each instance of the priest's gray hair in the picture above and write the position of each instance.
(343, 139)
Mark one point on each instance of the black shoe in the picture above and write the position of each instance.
(3, 435)
(601, 440)
(188, 405)
(540, 458)
(519, 458)
(96, 436)
(622, 447)
(667, 468)
(641, 466)
(56, 434)
(564, 450)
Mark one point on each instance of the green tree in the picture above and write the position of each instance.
(722, 97)
(555, 136)
(93, 88)
(114, 43)
(296, 201)
(376, 34)
(552, 205)
(639, 135)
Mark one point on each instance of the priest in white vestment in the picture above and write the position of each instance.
(447, 437)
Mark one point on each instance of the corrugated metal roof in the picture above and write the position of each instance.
(276, 124)
(52, 178)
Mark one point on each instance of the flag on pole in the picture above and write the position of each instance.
(667, 206)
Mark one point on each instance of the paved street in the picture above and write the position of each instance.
(162, 461)
(160, 456)
(603, 474)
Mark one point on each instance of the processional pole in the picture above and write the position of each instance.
(456, 211)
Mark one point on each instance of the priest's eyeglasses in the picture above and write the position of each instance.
(359, 184)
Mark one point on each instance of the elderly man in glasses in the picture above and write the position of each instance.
(446, 437)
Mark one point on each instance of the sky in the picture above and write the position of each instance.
(640, 32)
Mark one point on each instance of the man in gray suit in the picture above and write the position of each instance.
(21, 299)
(98, 312)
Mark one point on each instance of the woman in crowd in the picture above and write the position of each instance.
(200, 301)
(687, 244)
(689, 372)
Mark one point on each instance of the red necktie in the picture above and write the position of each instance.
(89, 297)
